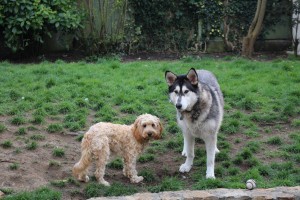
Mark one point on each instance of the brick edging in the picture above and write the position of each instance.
(278, 193)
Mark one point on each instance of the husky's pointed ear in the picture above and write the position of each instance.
(170, 77)
(192, 76)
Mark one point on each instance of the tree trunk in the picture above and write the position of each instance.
(254, 29)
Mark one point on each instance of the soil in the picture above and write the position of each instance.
(34, 170)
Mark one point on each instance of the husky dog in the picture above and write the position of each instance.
(199, 102)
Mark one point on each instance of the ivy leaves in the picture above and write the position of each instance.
(26, 21)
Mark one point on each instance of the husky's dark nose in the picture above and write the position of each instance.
(178, 106)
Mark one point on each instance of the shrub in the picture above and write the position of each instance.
(25, 22)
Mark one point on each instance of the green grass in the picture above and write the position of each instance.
(260, 126)
(41, 193)
(116, 189)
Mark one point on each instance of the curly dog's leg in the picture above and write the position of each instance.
(101, 156)
(130, 169)
(80, 169)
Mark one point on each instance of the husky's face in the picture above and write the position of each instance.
(183, 89)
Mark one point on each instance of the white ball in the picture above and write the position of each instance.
(250, 184)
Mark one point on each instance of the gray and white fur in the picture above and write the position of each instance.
(199, 103)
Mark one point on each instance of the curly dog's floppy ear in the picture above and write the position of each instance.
(136, 130)
(160, 128)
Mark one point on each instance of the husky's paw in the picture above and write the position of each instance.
(184, 153)
(185, 168)
(105, 183)
(210, 176)
(217, 150)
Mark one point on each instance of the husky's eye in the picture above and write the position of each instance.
(186, 91)
(176, 92)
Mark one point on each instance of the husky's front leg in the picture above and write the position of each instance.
(188, 151)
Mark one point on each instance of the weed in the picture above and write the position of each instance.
(148, 175)
(32, 145)
(172, 128)
(222, 156)
(18, 120)
(233, 171)
(6, 144)
(116, 164)
(59, 183)
(230, 126)
(294, 148)
(275, 141)
(58, 152)
(7, 191)
(254, 146)
(55, 128)
(238, 160)
(65, 107)
(79, 137)
(2, 128)
(246, 153)
(37, 137)
(53, 163)
(38, 119)
(14, 166)
(146, 158)
(21, 131)
(17, 151)
(295, 123)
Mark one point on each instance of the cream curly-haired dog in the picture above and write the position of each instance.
(106, 139)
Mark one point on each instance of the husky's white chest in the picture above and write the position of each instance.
(196, 128)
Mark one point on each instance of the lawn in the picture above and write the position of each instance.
(45, 108)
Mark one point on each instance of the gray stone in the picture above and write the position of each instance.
(278, 193)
